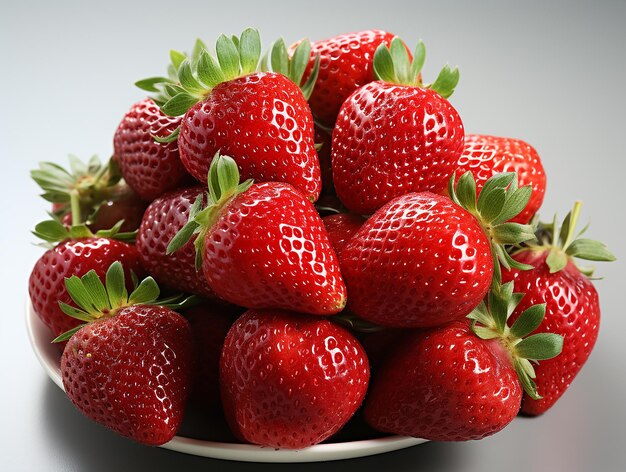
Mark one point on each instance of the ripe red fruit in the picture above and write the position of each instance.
(46, 285)
(572, 305)
(289, 380)
(264, 246)
(486, 156)
(260, 119)
(150, 167)
(340, 229)
(423, 260)
(162, 220)
(396, 136)
(460, 382)
(129, 367)
(209, 325)
(345, 65)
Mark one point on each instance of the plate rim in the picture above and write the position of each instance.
(232, 451)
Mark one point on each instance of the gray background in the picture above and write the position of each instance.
(550, 74)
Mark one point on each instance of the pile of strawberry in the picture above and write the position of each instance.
(335, 243)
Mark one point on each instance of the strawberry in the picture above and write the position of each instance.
(340, 228)
(129, 366)
(290, 380)
(149, 162)
(572, 305)
(78, 252)
(459, 382)
(323, 142)
(423, 260)
(209, 325)
(345, 64)
(263, 245)
(90, 193)
(162, 220)
(396, 135)
(486, 156)
(262, 119)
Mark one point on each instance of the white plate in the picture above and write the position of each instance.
(49, 356)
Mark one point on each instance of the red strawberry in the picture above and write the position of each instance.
(486, 156)
(396, 136)
(340, 228)
(264, 245)
(150, 166)
(261, 119)
(101, 199)
(290, 380)
(129, 367)
(323, 142)
(422, 260)
(345, 64)
(77, 254)
(162, 220)
(448, 384)
(209, 324)
(572, 305)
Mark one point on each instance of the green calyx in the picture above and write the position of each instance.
(392, 64)
(277, 60)
(191, 78)
(568, 245)
(82, 189)
(95, 300)
(499, 201)
(53, 232)
(490, 321)
(223, 183)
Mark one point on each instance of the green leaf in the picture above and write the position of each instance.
(209, 71)
(177, 58)
(498, 307)
(179, 104)
(79, 294)
(556, 260)
(590, 250)
(512, 233)
(528, 321)
(540, 346)
(527, 383)
(228, 56)
(198, 47)
(481, 314)
(227, 174)
(149, 84)
(502, 180)
(383, 65)
(170, 138)
(299, 61)
(485, 333)
(400, 58)
(279, 57)
(516, 201)
(419, 57)
(182, 237)
(466, 192)
(96, 290)
(309, 85)
(68, 334)
(491, 204)
(51, 231)
(75, 313)
(116, 286)
(249, 50)
(147, 292)
(187, 80)
(446, 81)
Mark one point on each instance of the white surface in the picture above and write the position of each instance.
(49, 356)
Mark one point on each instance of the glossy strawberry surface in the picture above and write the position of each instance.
(572, 310)
(162, 220)
(149, 167)
(444, 384)
(46, 285)
(341, 227)
(486, 156)
(345, 65)
(419, 261)
(131, 372)
(390, 140)
(269, 249)
(209, 323)
(290, 380)
(263, 122)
